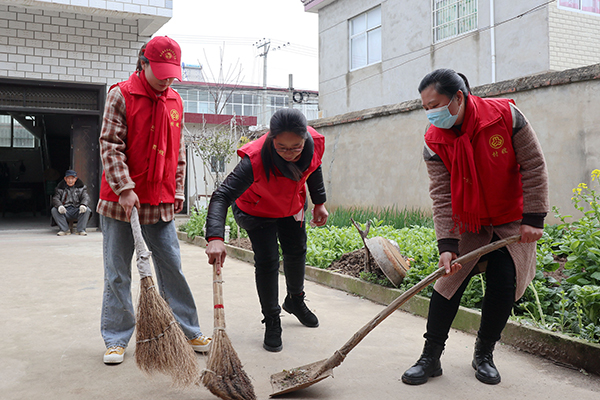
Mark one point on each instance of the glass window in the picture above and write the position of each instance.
(365, 39)
(453, 17)
(590, 6)
(22, 137)
(12, 133)
(217, 164)
(5, 131)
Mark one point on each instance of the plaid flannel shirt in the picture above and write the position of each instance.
(113, 143)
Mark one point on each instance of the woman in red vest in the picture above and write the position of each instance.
(143, 155)
(267, 192)
(488, 181)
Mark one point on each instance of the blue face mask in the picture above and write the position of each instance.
(441, 117)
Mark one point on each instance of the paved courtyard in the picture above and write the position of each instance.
(51, 291)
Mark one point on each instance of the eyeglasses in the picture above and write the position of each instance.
(294, 150)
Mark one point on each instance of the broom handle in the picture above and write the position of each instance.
(219, 314)
(337, 358)
(142, 253)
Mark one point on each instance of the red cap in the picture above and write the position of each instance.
(164, 55)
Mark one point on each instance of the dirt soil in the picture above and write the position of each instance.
(352, 263)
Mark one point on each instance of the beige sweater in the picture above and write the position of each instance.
(535, 201)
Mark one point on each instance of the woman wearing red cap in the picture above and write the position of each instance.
(143, 155)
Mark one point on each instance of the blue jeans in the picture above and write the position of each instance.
(118, 318)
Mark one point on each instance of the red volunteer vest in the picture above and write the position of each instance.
(500, 188)
(279, 197)
(139, 122)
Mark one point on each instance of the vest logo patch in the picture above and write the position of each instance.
(174, 115)
(496, 141)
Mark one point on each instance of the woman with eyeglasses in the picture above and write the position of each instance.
(488, 181)
(267, 192)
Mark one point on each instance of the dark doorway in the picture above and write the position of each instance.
(62, 124)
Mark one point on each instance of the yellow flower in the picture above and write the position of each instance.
(582, 186)
(595, 174)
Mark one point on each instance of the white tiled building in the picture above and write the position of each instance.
(57, 60)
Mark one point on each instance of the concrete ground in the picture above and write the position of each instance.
(51, 290)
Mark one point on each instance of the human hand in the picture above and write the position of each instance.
(530, 234)
(82, 209)
(62, 210)
(320, 215)
(216, 252)
(178, 205)
(446, 259)
(129, 199)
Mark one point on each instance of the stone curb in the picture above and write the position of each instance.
(556, 347)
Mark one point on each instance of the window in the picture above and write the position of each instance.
(195, 101)
(590, 6)
(453, 17)
(365, 39)
(13, 134)
(217, 164)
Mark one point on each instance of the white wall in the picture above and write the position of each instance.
(408, 53)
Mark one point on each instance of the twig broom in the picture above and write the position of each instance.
(161, 345)
(224, 375)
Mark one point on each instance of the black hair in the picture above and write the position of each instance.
(141, 59)
(447, 82)
(284, 120)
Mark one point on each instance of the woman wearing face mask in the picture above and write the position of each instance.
(488, 181)
(268, 197)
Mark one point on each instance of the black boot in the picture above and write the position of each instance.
(483, 362)
(272, 340)
(428, 366)
(294, 304)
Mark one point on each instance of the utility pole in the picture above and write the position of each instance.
(291, 91)
(264, 45)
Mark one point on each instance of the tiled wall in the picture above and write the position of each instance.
(51, 44)
(574, 38)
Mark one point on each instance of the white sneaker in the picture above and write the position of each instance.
(82, 233)
(114, 355)
(63, 233)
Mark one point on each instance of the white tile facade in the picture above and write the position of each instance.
(70, 41)
(574, 38)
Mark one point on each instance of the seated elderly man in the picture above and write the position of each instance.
(70, 202)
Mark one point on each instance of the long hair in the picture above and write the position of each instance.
(446, 82)
(284, 120)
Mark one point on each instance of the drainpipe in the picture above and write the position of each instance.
(493, 41)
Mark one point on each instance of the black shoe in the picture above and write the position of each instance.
(272, 340)
(428, 366)
(294, 304)
(483, 362)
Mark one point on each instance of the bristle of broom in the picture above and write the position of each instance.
(161, 345)
(224, 375)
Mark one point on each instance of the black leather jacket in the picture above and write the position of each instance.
(75, 195)
(236, 183)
